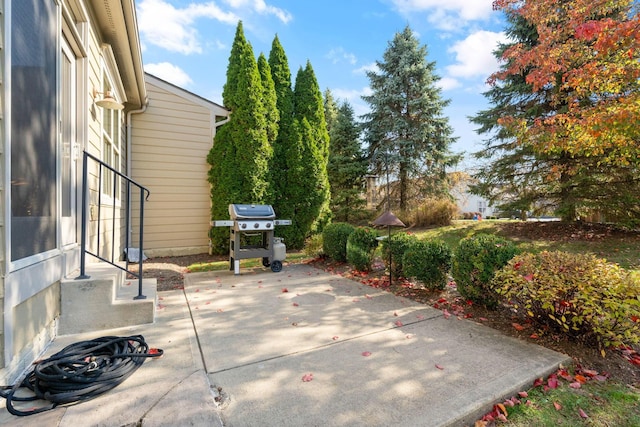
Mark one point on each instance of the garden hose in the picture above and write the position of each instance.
(80, 372)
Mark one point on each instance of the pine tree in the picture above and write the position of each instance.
(405, 128)
(347, 166)
(281, 76)
(241, 152)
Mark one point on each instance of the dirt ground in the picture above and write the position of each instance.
(169, 271)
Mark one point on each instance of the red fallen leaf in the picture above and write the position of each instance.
(509, 403)
(580, 379)
(565, 375)
(635, 360)
(368, 296)
(335, 337)
(538, 382)
(635, 319)
(440, 367)
(552, 383)
(502, 418)
(436, 305)
(517, 326)
(154, 351)
(398, 323)
(523, 394)
(446, 314)
(295, 304)
(420, 317)
(442, 300)
(600, 378)
(356, 300)
(575, 384)
(534, 336)
(557, 406)
(207, 303)
(589, 372)
(366, 353)
(528, 277)
(307, 377)
(582, 413)
(219, 310)
(285, 290)
(484, 319)
(160, 306)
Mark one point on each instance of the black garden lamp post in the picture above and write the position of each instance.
(389, 220)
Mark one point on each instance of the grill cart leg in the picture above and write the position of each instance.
(236, 267)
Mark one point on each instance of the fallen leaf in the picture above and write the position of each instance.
(502, 418)
(398, 323)
(501, 407)
(366, 353)
(446, 314)
(307, 377)
(580, 379)
(440, 367)
(534, 336)
(582, 413)
(557, 406)
(295, 304)
(552, 382)
(335, 337)
(528, 277)
(517, 326)
(575, 385)
(285, 290)
(523, 394)
(481, 423)
(484, 319)
(537, 382)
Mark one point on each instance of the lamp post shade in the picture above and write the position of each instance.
(388, 219)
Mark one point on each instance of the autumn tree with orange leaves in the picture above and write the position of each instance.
(588, 52)
(585, 61)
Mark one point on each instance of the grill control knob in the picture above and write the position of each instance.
(256, 225)
(244, 226)
(268, 225)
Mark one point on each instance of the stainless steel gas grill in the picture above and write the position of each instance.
(251, 235)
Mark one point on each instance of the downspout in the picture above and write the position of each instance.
(130, 113)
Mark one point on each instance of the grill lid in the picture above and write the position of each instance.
(237, 211)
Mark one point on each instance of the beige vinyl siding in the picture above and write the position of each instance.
(170, 144)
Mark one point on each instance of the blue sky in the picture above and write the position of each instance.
(187, 42)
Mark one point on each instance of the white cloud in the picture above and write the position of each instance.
(262, 8)
(169, 72)
(448, 83)
(338, 54)
(474, 55)
(354, 98)
(173, 29)
(367, 67)
(447, 14)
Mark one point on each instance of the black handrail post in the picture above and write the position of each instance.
(140, 255)
(127, 225)
(83, 226)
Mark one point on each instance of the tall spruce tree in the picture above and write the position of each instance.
(285, 139)
(241, 152)
(347, 166)
(405, 128)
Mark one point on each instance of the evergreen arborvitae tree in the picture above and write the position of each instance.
(308, 195)
(405, 129)
(347, 167)
(272, 116)
(241, 152)
(281, 76)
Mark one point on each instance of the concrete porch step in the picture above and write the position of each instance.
(104, 301)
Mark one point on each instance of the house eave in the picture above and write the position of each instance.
(117, 22)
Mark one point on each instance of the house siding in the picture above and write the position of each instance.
(31, 294)
(171, 141)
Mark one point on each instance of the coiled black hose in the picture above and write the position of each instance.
(80, 372)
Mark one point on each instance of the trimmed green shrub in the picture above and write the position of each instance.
(475, 261)
(398, 245)
(360, 247)
(313, 246)
(579, 295)
(334, 240)
(428, 261)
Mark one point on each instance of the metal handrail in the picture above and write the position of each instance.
(85, 198)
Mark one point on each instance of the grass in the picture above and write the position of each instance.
(624, 252)
(245, 263)
(604, 403)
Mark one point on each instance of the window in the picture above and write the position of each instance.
(33, 127)
(110, 145)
